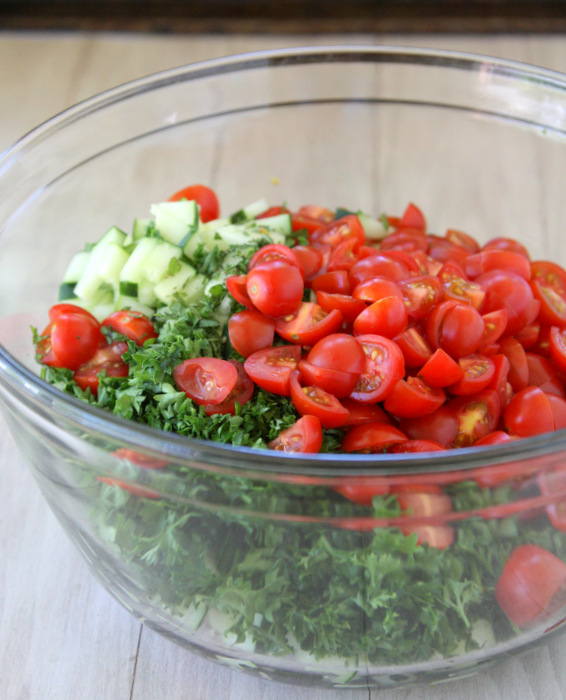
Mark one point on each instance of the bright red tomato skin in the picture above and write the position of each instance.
(412, 218)
(531, 586)
(133, 324)
(387, 316)
(364, 413)
(412, 397)
(338, 231)
(236, 285)
(548, 284)
(456, 328)
(514, 294)
(557, 346)
(68, 308)
(385, 365)
(528, 413)
(74, 340)
(107, 359)
(477, 416)
(333, 282)
(271, 368)
(505, 260)
(348, 306)
(335, 382)
(241, 393)
(308, 324)
(371, 437)
(310, 259)
(440, 426)
(305, 436)
(417, 446)
(275, 251)
(250, 331)
(206, 380)
(204, 197)
(414, 346)
(339, 351)
(312, 400)
(477, 373)
(275, 288)
(441, 370)
(518, 367)
(420, 295)
(391, 264)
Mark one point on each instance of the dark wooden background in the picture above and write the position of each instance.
(299, 16)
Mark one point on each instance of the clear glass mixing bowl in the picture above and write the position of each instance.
(250, 557)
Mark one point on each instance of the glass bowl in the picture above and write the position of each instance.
(252, 558)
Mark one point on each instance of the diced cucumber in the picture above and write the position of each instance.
(124, 301)
(171, 285)
(235, 234)
(76, 267)
(176, 221)
(133, 270)
(193, 289)
(129, 289)
(146, 294)
(249, 212)
(103, 268)
(66, 291)
(192, 244)
(281, 223)
(158, 264)
(113, 235)
(140, 228)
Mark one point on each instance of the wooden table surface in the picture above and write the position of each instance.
(62, 637)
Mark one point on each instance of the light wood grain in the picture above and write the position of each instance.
(61, 636)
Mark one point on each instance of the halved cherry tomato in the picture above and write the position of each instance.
(133, 324)
(339, 351)
(206, 380)
(338, 231)
(518, 375)
(412, 218)
(349, 307)
(477, 373)
(107, 359)
(241, 393)
(204, 197)
(408, 239)
(385, 365)
(415, 347)
(310, 259)
(364, 413)
(334, 282)
(441, 370)
(376, 288)
(236, 285)
(477, 416)
(305, 435)
(275, 288)
(275, 251)
(497, 437)
(272, 211)
(499, 381)
(545, 374)
(387, 316)
(548, 283)
(511, 244)
(557, 346)
(532, 585)
(71, 339)
(505, 290)
(344, 255)
(502, 260)
(250, 331)
(309, 323)
(443, 250)
(420, 295)
(312, 400)
(412, 397)
(528, 413)
(314, 211)
(495, 324)
(440, 426)
(271, 368)
(334, 381)
(371, 437)
(456, 328)
(391, 264)
(464, 240)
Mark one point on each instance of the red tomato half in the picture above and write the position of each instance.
(308, 324)
(441, 426)
(456, 328)
(305, 435)
(477, 416)
(371, 437)
(274, 251)
(310, 259)
(133, 324)
(420, 295)
(107, 359)
(387, 316)
(71, 340)
(206, 380)
(338, 231)
(348, 306)
(412, 218)
(241, 393)
(236, 285)
(271, 368)
(339, 351)
(336, 382)
(549, 287)
(412, 397)
(250, 331)
(69, 308)
(275, 288)
(529, 413)
(385, 365)
(312, 400)
(532, 585)
(204, 197)
(441, 370)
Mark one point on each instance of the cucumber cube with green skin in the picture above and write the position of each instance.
(176, 221)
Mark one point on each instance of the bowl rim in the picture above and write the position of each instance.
(38, 394)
